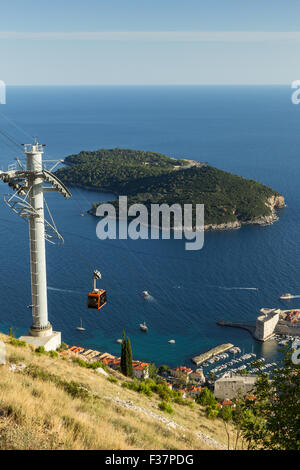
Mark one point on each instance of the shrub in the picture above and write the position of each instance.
(112, 380)
(163, 392)
(164, 369)
(140, 387)
(17, 342)
(53, 354)
(206, 398)
(88, 365)
(181, 401)
(75, 389)
(10, 332)
(163, 406)
(212, 411)
(14, 358)
(40, 350)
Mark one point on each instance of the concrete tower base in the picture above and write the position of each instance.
(50, 343)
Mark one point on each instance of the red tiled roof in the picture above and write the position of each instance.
(140, 365)
(111, 361)
(250, 397)
(183, 369)
(196, 389)
(227, 402)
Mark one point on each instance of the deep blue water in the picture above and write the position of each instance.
(250, 131)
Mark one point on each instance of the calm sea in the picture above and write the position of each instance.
(250, 131)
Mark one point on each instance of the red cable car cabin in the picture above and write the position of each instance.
(96, 299)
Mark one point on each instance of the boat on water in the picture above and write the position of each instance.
(143, 326)
(80, 328)
(171, 341)
(286, 296)
(145, 293)
(120, 341)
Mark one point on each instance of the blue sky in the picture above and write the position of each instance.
(149, 42)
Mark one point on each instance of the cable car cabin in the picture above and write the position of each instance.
(96, 299)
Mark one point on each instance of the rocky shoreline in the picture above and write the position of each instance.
(274, 203)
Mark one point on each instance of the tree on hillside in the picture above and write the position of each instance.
(206, 398)
(153, 371)
(126, 357)
(272, 420)
(129, 358)
(123, 356)
(226, 415)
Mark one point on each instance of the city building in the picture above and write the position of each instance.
(228, 388)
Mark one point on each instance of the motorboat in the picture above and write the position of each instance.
(143, 326)
(285, 296)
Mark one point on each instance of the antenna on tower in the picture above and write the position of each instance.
(29, 185)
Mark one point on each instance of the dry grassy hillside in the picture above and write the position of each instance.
(56, 404)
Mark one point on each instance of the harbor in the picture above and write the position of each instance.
(212, 292)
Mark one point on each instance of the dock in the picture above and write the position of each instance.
(212, 352)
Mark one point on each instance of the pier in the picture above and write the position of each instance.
(212, 352)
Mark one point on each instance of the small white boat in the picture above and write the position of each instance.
(171, 341)
(120, 341)
(285, 296)
(143, 326)
(80, 328)
(145, 293)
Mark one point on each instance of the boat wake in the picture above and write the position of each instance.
(297, 296)
(56, 289)
(239, 288)
(150, 298)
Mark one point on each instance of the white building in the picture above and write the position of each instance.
(140, 370)
(197, 376)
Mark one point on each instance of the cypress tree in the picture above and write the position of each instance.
(129, 358)
(124, 356)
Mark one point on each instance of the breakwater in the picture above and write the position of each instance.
(244, 326)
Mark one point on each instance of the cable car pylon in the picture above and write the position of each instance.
(27, 201)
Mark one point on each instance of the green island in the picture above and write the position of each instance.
(148, 178)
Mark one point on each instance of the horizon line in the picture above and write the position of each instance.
(168, 36)
(143, 84)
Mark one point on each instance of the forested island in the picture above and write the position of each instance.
(148, 178)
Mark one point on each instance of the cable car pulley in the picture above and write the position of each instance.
(97, 297)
